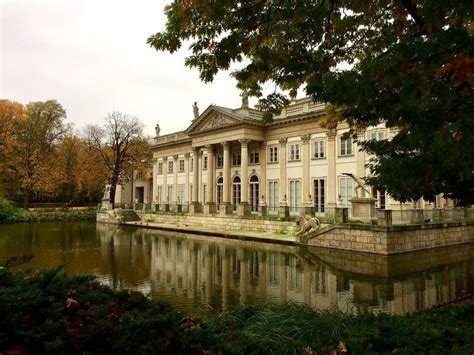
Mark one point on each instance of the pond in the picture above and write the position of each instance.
(204, 274)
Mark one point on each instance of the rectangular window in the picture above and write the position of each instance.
(160, 168)
(254, 156)
(294, 152)
(273, 154)
(346, 192)
(204, 193)
(345, 146)
(319, 190)
(319, 150)
(295, 195)
(159, 194)
(220, 161)
(381, 198)
(204, 163)
(273, 201)
(181, 194)
(377, 135)
(170, 194)
(170, 166)
(181, 165)
(236, 159)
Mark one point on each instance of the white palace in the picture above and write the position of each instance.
(229, 161)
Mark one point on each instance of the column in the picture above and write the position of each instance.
(186, 178)
(164, 193)
(331, 180)
(175, 184)
(244, 208)
(154, 184)
(226, 207)
(210, 206)
(195, 205)
(263, 178)
(305, 159)
(284, 209)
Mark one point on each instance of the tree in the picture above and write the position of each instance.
(404, 63)
(121, 145)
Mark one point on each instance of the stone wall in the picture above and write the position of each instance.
(392, 240)
(218, 222)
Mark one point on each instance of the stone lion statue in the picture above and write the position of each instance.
(307, 224)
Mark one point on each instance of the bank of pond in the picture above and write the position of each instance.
(49, 311)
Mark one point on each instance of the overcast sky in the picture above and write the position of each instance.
(92, 56)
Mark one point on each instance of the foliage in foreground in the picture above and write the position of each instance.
(10, 213)
(52, 312)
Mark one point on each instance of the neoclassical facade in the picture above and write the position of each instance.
(229, 161)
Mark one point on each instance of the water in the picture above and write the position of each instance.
(204, 274)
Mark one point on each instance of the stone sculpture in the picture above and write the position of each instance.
(196, 110)
(307, 224)
(106, 192)
(360, 185)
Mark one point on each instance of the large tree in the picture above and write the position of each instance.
(121, 145)
(406, 63)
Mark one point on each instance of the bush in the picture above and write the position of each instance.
(10, 213)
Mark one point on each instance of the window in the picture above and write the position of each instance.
(220, 161)
(273, 154)
(346, 192)
(377, 135)
(220, 190)
(319, 149)
(159, 194)
(294, 152)
(181, 194)
(236, 189)
(254, 156)
(319, 194)
(160, 168)
(380, 196)
(204, 163)
(236, 159)
(254, 193)
(181, 165)
(170, 166)
(345, 146)
(295, 195)
(169, 198)
(273, 191)
(204, 193)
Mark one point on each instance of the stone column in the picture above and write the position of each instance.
(186, 178)
(331, 180)
(176, 205)
(195, 206)
(226, 207)
(305, 159)
(210, 206)
(165, 185)
(244, 209)
(263, 178)
(284, 209)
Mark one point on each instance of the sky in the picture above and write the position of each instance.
(92, 57)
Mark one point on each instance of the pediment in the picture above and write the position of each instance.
(212, 120)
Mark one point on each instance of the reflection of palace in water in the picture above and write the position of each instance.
(196, 272)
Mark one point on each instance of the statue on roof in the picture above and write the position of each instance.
(196, 110)
(245, 100)
(157, 130)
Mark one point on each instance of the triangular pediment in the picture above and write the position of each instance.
(212, 119)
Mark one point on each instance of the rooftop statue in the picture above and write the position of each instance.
(157, 130)
(245, 100)
(196, 110)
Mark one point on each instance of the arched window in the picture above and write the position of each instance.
(236, 191)
(254, 193)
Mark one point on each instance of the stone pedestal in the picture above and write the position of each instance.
(106, 205)
(243, 209)
(226, 208)
(363, 209)
(210, 208)
(195, 207)
(284, 211)
(384, 218)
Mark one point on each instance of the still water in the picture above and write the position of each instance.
(204, 274)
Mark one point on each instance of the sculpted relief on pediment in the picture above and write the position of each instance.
(216, 120)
